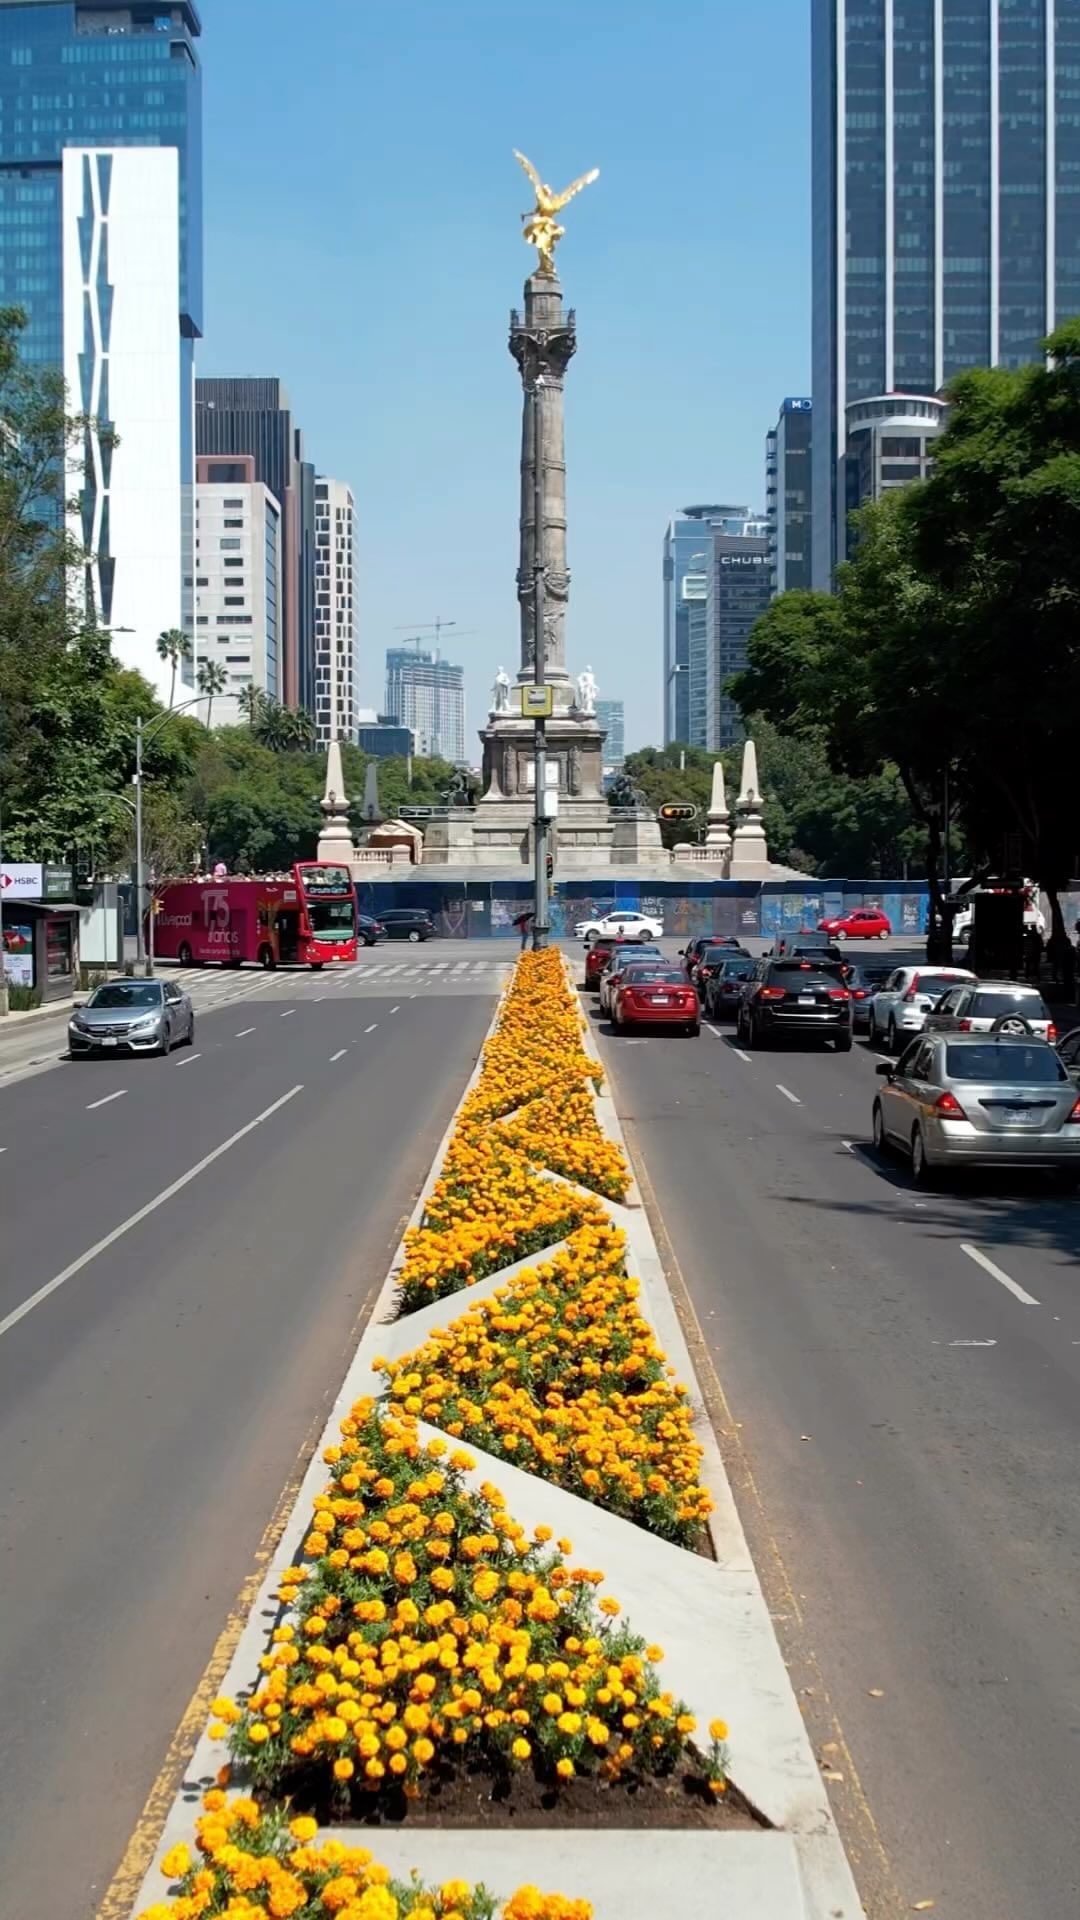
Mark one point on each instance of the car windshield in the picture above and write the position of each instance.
(789, 973)
(670, 976)
(1015, 1000)
(1035, 1066)
(331, 919)
(715, 954)
(936, 983)
(735, 969)
(127, 993)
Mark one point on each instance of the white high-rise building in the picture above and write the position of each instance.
(337, 674)
(238, 553)
(428, 695)
(125, 367)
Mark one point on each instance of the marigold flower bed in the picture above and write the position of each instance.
(559, 1373)
(428, 1632)
(531, 1108)
(257, 1862)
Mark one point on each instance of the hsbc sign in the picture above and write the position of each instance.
(21, 880)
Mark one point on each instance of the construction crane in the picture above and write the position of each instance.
(417, 630)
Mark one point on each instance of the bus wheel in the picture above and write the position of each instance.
(185, 955)
(266, 959)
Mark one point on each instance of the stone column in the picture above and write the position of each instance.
(542, 341)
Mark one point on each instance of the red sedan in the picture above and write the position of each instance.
(862, 923)
(665, 999)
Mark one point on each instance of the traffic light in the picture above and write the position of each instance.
(678, 813)
(550, 866)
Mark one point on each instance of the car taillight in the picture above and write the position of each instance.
(858, 993)
(949, 1106)
(1051, 1032)
(964, 1026)
(839, 993)
(1073, 1118)
(913, 989)
(772, 993)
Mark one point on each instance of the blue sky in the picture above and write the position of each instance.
(363, 242)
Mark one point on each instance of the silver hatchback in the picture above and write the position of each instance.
(973, 1100)
(132, 1016)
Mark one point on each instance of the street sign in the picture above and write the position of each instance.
(536, 703)
(678, 813)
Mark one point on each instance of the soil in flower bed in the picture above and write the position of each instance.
(471, 1797)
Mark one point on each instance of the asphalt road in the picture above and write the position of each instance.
(904, 1435)
(154, 1403)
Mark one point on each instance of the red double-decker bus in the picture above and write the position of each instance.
(302, 919)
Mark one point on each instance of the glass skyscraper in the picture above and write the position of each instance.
(946, 204)
(687, 560)
(787, 496)
(80, 241)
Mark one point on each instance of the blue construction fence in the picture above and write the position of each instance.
(486, 909)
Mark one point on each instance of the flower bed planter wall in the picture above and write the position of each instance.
(430, 1623)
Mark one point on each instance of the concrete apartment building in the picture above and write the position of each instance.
(238, 554)
(336, 662)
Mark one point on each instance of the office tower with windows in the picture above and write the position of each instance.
(739, 590)
(427, 695)
(946, 209)
(237, 580)
(380, 735)
(687, 548)
(253, 416)
(610, 717)
(336, 665)
(787, 496)
(101, 245)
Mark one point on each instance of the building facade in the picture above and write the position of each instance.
(380, 735)
(787, 496)
(739, 590)
(610, 715)
(253, 416)
(686, 561)
(427, 695)
(237, 580)
(336, 663)
(946, 205)
(101, 245)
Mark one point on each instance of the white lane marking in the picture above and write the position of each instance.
(288, 1013)
(973, 1343)
(135, 1219)
(372, 1027)
(118, 1095)
(390, 971)
(717, 1035)
(413, 996)
(339, 1055)
(190, 1061)
(850, 1145)
(998, 1273)
(788, 1095)
(244, 1031)
(396, 1009)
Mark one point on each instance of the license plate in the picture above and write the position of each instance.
(1022, 1117)
(806, 999)
(109, 1042)
(659, 1000)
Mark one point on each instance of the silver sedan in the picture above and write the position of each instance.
(975, 1100)
(132, 1016)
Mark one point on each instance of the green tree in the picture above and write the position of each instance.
(173, 646)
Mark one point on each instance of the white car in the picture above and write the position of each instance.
(993, 1006)
(623, 926)
(965, 919)
(899, 1008)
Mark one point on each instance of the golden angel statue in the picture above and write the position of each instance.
(541, 229)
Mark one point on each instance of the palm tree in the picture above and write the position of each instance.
(271, 724)
(250, 702)
(212, 679)
(173, 646)
(301, 730)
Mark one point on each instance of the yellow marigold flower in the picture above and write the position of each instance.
(520, 1749)
(343, 1769)
(609, 1606)
(564, 1768)
(303, 1828)
(258, 1733)
(718, 1729)
(176, 1862)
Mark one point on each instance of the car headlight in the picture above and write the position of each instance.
(148, 1020)
(77, 1025)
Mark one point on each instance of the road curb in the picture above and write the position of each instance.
(710, 1614)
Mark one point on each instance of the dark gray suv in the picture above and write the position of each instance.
(794, 996)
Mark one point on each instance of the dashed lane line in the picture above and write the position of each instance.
(143, 1213)
(372, 1027)
(339, 1055)
(118, 1095)
(788, 1095)
(717, 1035)
(190, 1060)
(243, 1033)
(288, 1013)
(998, 1273)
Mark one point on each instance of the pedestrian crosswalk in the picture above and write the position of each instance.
(211, 989)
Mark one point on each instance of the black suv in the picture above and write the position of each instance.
(794, 996)
(407, 923)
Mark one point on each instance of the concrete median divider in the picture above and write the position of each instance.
(782, 1859)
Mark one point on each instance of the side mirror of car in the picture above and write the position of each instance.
(885, 1069)
(682, 953)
